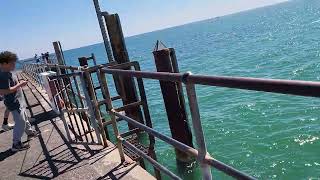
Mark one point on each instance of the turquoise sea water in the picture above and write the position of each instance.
(266, 135)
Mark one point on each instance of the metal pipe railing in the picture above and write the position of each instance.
(79, 123)
(152, 161)
(293, 87)
(191, 151)
(202, 149)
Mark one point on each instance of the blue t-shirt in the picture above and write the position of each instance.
(14, 100)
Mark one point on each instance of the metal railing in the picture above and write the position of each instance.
(77, 112)
(34, 70)
(293, 87)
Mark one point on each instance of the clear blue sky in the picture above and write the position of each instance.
(30, 26)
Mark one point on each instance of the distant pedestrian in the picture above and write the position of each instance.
(13, 100)
(43, 58)
(46, 55)
(36, 58)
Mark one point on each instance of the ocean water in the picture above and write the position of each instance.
(269, 136)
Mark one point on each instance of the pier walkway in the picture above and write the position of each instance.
(51, 156)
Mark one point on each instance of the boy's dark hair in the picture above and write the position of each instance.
(7, 57)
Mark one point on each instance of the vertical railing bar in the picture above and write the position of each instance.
(94, 59)
(72, 113)
(95, 100)
(39, 78)
(57, 84)
(81, 102)
(147, 118)
(105, 91)
(202, 149)
(66, 99)
(34, 73)
(153, 162)
(93, 117)
(79, 113)
(104, 97)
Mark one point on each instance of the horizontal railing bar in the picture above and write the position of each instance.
(227, 169)
(175, 77)
(217, 164)
(135, 130)
(66, 75)
(152, 161)
(107, 123)
(293, 87)
(115, 98)
(110, 122)
(128, 106)
(75, 110)
(167, 139)
(79, 96)
(102, 102)
(63, 66)
(123, 65)
(94, 68)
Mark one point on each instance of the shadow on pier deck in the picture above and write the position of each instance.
(51, 156)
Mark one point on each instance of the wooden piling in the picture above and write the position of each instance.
(174, 101)
(59, 53)
(60, 58)
(128, 93)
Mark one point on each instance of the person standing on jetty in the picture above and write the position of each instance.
(13, 100)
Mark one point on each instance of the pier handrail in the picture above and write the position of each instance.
(292, 87)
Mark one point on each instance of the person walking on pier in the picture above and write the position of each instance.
(13, 100)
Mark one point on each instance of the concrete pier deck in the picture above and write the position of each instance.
(52, 157)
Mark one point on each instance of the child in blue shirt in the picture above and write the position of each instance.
(13, 100)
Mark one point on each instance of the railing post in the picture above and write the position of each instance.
(83, 61)
(91, 109)
(147, 117)
(106, 93)
(62, 115)
(202, 149)
(88, 84)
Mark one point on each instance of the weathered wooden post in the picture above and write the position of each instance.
(174, 100)
(60, 58)
(121, 56)
(58, 52)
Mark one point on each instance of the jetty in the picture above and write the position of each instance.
(51, 155)
(78, 110)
